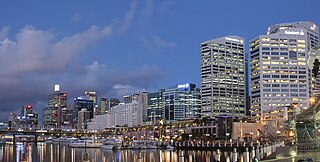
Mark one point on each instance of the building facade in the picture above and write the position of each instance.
(155, 107)
(103, 105)
(181, 102)
(222, 76)
(27, 119)
(142, 98)
(55, 114)
(82, 103)
(83, 118)
(90, 95)
(279, 70)
(124, 114)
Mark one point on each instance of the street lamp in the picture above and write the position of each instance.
(312, 100)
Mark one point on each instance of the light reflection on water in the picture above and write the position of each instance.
(31, 152)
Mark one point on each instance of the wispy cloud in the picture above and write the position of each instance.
(129, 16)
(156, 42)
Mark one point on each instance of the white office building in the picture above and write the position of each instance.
(222, 69)
(124, 114)
(279, 67)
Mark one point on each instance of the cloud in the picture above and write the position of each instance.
(156, 42)
(4, 31)
(41, 51)
(122, 90)
(113, 82)
(129, 16)
(36, 59)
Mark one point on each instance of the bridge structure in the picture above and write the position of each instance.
(307, 128)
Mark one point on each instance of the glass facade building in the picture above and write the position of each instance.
(155, 106)
(81, 103)
(181, 102)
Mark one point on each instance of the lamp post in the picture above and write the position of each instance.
(312, 101)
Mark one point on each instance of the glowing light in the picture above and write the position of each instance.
(293, 32)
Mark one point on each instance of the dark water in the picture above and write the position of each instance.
(62, 153)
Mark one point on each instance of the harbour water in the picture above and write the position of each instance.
(31, 152)
(41, 152)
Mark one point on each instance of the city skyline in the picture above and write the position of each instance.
(119, 48)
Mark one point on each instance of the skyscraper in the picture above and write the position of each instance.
(103, 105)
(106, 104)
(82, 103)
(155, 106)
(112, 102)
(222, 70)
(90, 95)
(181, 102)
(55, 115)
(279, 70)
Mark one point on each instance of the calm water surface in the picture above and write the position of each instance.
(39, 152)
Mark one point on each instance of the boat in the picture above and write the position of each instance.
(72, 140)
(61, 140)
(86, 142)
(151, 144)
(107, 145)
(114, 144)
(117, 144)
(138, 144)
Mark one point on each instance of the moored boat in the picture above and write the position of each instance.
(86, 142)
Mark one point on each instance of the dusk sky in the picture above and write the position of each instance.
(120, 47)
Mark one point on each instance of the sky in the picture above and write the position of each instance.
(118, 47)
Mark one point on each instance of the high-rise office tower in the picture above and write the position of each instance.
(55, 115)
(155, 106)
(82, 103)
(112, 102)
(103, 105)
(279, 70)
(181, 102)
(90, 95)
(107, 104)
(222, 70)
